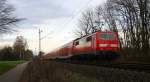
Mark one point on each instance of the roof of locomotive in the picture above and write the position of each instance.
(94, 33)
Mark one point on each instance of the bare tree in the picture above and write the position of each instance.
(7, 19)
(144, 21)
(90, 22)
(86, 22)
(99, 21)
(130, 17)
(133, 18)
(20, 46)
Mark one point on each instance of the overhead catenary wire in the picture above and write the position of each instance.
(68, 21)
(73, 17)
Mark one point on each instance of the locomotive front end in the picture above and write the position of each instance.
(107, 44)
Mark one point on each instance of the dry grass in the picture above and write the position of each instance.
(51, 71)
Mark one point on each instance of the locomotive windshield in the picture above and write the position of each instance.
(107, 36)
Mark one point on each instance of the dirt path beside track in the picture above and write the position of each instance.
(14, 74)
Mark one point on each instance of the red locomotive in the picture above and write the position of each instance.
(97, 45)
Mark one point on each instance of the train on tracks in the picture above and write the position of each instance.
(98, 45)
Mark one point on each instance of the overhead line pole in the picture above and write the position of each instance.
(40, 40)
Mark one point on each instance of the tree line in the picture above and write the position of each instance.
(7, 21)
(19, 51)
(130, 18)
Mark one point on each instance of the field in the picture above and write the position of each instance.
(52, 71)
(7, 65)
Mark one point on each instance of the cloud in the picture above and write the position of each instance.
(36, 11)
(59, 16)
(7, 40)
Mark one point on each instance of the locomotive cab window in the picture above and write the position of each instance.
(106, 36)
(88, 39)
(76, 43)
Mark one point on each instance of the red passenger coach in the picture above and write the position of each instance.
(97, 45)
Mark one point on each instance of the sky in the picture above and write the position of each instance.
(56, 18)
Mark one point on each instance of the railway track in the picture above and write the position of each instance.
(139, 67)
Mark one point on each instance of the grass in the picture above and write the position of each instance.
(49, 71)
(7, 65)
(77, 77)
(52, 71)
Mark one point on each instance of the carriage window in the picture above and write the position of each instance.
(106, 36)
(88, 39)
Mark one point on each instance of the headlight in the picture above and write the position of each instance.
(108, 45)
(103, 45)
(114, 45)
